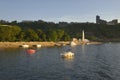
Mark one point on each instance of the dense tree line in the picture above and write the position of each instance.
(15, 33)
(50, 31)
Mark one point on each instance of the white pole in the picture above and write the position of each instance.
(83, 36)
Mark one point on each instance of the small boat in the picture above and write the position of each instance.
(37, 46)
(30, 51)
(73, 43)
(67, 54)
(58, 44)
(24, 46)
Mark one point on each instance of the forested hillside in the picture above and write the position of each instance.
(62, 31)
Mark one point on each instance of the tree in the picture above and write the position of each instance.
(31, 35)
(39, 33)
(52, 35)
(9, 33)
(44, 37)
(21, 36)
(60, 34)
(14, 23)
(66, 37)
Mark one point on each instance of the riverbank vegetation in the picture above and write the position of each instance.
(62, 31)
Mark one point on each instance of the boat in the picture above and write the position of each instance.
(67, 54)
(31, 51)
(73, 43)
(24, 46)
(58, 44)
(37, 46)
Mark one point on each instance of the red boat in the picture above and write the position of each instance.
(31, 51)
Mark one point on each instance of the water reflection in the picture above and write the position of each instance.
(66, 77)
(83, 53)
(83, 49)
(68, 58)
(68, 62)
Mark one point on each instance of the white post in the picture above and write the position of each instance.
(83, 36)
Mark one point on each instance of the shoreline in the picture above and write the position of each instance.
(18, 44)
(43, 44)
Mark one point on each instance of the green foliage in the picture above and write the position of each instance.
(66, 37)
(55, 35)
(41, 34)
(62, 31)
(9, 33)
(44, 37)
(15, 33)
(21, 36)
(93, 38)
(52, 35)
(60, 34)
(31, 35)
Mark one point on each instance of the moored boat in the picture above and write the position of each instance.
(31, 51)
(37, 46)
(24, 46)
(67, 54)
(73, 43)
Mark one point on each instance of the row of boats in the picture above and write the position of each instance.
(64, 54)
(27, 46)
(67, 54)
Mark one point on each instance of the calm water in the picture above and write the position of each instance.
(91, 62)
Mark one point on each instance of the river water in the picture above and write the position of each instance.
(91, 62)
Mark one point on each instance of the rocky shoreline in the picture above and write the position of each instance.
(43, 44)
(18, 44)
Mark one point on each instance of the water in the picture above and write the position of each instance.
(91, 62)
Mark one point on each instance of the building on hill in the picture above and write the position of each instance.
(113, 22)
(100, 21)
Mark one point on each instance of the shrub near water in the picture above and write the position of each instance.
(9, 33)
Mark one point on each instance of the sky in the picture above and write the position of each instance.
(59, 10)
